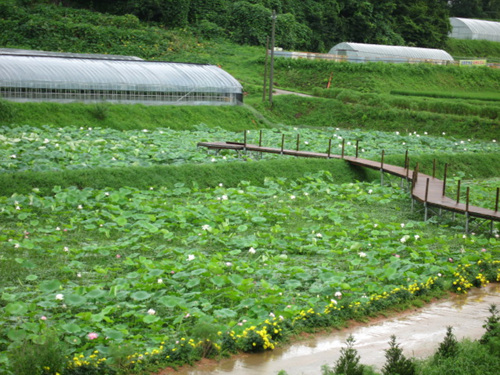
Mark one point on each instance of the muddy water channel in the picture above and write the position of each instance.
(419, 333)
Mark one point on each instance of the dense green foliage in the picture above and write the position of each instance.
(312, 25)
(99, 267)
(480, 9)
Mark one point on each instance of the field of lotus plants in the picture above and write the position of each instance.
(50, 149)
(176, 274)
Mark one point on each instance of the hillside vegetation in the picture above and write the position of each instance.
(360, 95)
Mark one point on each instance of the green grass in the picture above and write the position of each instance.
(127, 117)
(351, 113)
(203, 175)
(474, 49)
(476, 96)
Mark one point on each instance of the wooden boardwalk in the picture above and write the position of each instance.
(425, 189)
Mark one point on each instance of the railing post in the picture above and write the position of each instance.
(329, 147)
(496, 201)
(425, 200)
(282, 143)
(343, 145)
(260, 138)
(444, 178)
(467, 211)
(244, 140)
(458, 191)
(434, 168)
(357, 148)
(382, 169)
(496, 209)
(298, 141)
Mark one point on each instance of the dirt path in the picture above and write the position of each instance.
(419, 332)
(284, 92)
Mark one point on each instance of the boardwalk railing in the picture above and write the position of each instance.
(425, 189)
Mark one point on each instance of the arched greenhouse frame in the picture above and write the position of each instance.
(466, 28)
(63, 78)
(362, 52)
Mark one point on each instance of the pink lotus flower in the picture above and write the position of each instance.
(118, 256)
(92, 336)
(43, 317)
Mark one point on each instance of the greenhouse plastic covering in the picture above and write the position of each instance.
(374, 52)
(465, 28)
(61, 78)
(27, 52)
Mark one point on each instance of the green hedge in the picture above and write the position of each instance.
(231, 174)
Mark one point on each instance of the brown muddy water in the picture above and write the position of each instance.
(418, 332)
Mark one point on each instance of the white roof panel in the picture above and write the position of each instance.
(466, 28)
(384, 51)
(99, 74)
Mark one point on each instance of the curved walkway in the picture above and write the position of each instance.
(425, 189)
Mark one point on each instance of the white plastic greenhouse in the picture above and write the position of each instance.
(465, 28)
(89, 79)
(360, 52)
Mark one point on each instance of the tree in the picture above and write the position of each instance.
(423, 23)
(396, 363)
(348, 363)
(466, 8)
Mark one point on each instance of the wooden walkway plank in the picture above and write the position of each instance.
(431, 195)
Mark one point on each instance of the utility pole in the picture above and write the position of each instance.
(265, 71)
(271, 76)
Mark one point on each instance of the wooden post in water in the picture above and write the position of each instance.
(382, 169)
(444, 178)
(496, 201)
(417, 168)
(425, 200)
(496, 209)
(260, 143)
(405, 167)
(408, 174)
(458, 196)
(329, 148)
(467, 210)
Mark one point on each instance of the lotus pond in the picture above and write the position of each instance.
(178, 274)
(49, 149)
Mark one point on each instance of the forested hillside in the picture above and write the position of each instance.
(309, 25)
(312, 25)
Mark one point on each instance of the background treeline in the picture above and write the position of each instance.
(312, 25)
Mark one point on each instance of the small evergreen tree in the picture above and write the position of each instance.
(449, 347)
(348, 363)
(396, 363)
(492, 325)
